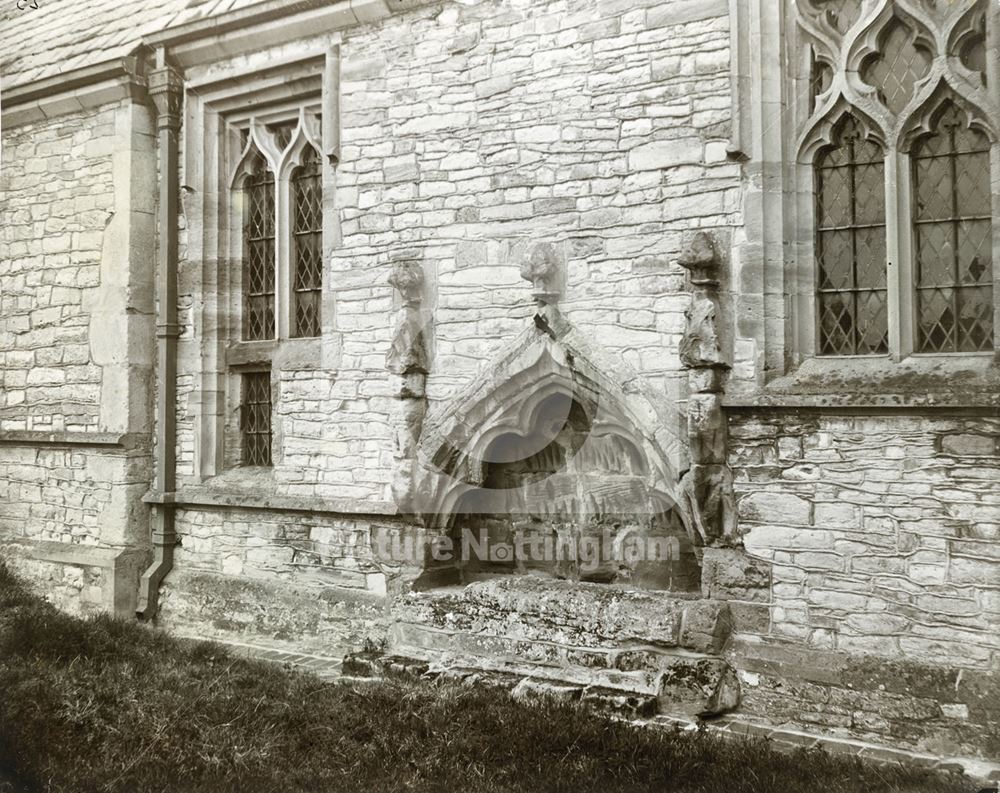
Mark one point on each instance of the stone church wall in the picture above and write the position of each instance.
(314, 582)
(76, 332)
(451, 154)
(880, 533)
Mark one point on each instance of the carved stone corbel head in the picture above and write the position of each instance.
(540, 266)
(407, 277)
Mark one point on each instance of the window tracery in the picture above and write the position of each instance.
(898, 140)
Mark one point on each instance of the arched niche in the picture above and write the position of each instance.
(542, 466)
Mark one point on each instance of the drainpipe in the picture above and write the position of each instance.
(166, 89)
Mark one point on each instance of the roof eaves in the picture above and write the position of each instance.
(215, 24)
(32, 90)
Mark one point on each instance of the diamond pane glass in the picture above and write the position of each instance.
(255, 418)
(873, 322)
(307, 245)
(933, 194)
(869, 193)
(869, 257)
(975, 319)
(975, 262)
(935, 254)
(834, 198)
(850, 245)
(936, 320)
(972, 184)
(898, 66)
(836, 323)
(836, 259)
(258, 252)
(953, 236)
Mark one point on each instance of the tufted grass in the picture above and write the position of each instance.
(107, 705)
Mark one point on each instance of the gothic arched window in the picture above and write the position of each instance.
(258, 250)
(280, 178)
(898, 130)
(850, 244)
(307, 230)
(953, 236)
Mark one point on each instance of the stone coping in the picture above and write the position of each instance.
(120, 440)
(267, 24)
(868, 404)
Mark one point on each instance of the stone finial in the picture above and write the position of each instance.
(700, 257)
(540, 266)
(408, 279)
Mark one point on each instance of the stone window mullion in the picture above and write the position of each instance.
(901, 271)
(282, 223)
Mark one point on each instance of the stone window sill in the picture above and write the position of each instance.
(281, 354)
(919, 381)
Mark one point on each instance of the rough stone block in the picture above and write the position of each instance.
(731, 574)
(772, 507)
(530, 688)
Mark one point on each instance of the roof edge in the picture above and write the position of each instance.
(129, 66)
(202, 27)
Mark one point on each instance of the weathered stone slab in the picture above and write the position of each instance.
(569, 613)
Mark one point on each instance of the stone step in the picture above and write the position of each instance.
(642, 646)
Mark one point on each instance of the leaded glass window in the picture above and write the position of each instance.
(307, 232)
(255, 418)
(850, 244)
(953, 236)
(258, 252)
(901, 62)
(892, 119)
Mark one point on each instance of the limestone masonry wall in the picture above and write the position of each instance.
(73, 494)
(469, 131)
(883, 611)
(882, 531)
(76, 241)
(58, 185)
(312, 580)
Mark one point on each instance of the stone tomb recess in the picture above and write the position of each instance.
(577, 506)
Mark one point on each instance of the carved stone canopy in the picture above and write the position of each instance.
(700, 257)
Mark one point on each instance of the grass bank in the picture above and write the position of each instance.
(106, 705)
